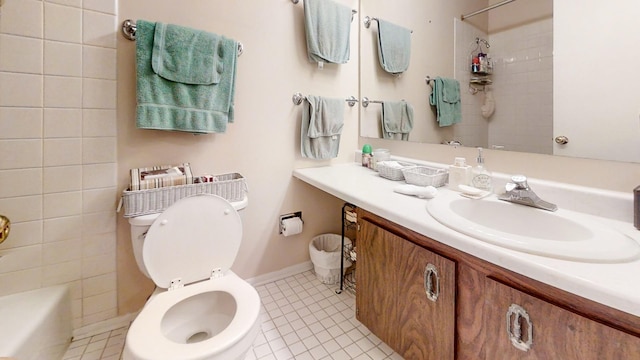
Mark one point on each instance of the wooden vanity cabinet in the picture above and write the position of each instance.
(483, 311)
(405, 294)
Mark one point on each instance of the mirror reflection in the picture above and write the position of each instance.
(541, 97)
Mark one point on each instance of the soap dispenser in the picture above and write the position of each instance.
(480, 176)
(459, 173)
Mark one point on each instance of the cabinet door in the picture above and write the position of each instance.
(555, 333)
(405, 295)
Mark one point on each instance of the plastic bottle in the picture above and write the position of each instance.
(366, 156)
(480, 176)
(459, 173)
(636, 207)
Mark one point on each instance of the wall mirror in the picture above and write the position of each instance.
(555, 73)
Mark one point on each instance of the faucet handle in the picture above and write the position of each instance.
(519, 182)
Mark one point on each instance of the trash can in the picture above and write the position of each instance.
(325, 252)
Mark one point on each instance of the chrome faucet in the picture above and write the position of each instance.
(519, 192)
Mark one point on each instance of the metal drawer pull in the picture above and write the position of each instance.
(431, 272)
(515, 316)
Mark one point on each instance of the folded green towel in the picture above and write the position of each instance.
(322, 122)
(187, 56)
(164, 104)
(445, 96)
(394, 47)
(327, 27)
(397, 120)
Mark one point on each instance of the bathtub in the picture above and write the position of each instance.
(36, 324)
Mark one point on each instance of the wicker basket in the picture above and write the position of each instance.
(425, 176)
(393, 173)
(231, 187)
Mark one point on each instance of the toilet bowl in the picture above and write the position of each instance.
(200, 308)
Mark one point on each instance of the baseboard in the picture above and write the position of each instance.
(280, 274)
(104, 326)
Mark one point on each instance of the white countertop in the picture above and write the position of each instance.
(614, 285)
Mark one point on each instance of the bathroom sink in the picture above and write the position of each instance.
(562, 234)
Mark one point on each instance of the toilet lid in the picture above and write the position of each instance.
(190, 239)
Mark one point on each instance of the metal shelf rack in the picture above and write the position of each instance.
(349, 230)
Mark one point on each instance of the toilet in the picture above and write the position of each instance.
(200, 308)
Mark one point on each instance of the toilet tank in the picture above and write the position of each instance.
(141, 224)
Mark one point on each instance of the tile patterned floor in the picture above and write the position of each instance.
(301, 319)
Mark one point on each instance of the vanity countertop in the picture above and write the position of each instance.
(615, 285)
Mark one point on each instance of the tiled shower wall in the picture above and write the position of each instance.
(522, 88)
(58, 150)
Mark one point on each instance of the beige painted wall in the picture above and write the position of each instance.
(263, 144)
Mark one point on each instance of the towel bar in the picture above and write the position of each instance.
(129, 32)
(353, 12)
(298, 97)
(367, 21)
(366, 101)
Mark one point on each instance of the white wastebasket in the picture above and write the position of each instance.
(325, 252)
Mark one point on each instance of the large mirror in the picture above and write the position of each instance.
(556, 73)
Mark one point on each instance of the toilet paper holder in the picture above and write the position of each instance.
(297, 214)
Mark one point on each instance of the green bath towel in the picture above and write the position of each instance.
(193, 89)
(394, 47)
(397, 120)
(445, 96)
(321, 126)
(327, 27)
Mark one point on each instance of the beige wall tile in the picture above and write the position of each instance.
(99, 29)
(99, 303)
(22, 17)
(20, 123)
(62, 58)
(98, 122)
(21, 258)
(18, 281)
(60, 123)
(99, 284)
(62, 23)
(62, 204)
(61, 251)
(98, 265)
(99, 244)
(62, 178)
(98, 175)
(20, 54)
(100, 316)
(62, 228)
(20, 182)
(23, 234)
(59, 152)
(18, 154)
(22, 90)
(98, 223)
(99, 200)
(62, 273)
(98, 150)
(99, 94)
(108, 7)
(23, 208)
(98, 62)
(62, 92)
(75, 3)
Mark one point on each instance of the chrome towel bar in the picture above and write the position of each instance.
(298, 97)
(129, 32)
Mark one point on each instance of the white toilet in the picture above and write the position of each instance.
(200, 309)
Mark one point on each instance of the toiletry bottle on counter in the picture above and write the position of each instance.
(636, 207)
(480, 176)
(459, 173)
(380, 155)
(366, 156)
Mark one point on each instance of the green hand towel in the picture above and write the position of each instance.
(164, 104)
(322, 122)
(394, 47)
(397, 120)
(327, 27)
(445, 96)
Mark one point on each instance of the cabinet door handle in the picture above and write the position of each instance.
(516, 317)
(431, 287)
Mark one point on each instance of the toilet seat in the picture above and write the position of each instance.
(194, 239)
(145, 339)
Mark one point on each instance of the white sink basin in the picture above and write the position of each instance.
(562, 234)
